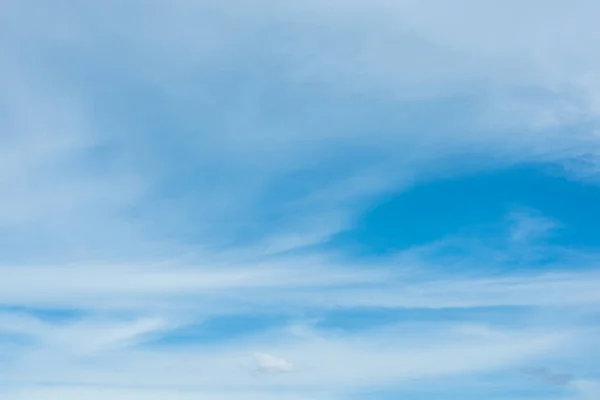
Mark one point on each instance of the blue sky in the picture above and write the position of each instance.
(327, 200)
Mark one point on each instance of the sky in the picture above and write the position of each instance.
(317, 200)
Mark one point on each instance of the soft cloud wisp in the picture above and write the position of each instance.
(179, 180)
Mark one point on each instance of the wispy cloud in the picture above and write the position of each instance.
(164, 165)
(270, 363)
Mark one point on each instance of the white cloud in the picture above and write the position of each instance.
(530, 72)
(124, 286)
(105, 117)
(335, 363)
(290, 281)
(270, 363)
(76, 393)
(108, 350)
(588, 390)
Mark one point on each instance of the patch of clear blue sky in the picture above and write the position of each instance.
(478, 204)
(358, 319)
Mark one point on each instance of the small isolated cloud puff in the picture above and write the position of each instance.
(272, 364)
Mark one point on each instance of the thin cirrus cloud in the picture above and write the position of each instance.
(171, 168)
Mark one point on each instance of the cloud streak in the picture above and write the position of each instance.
(165, 166)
